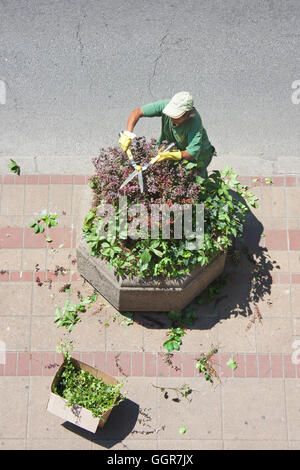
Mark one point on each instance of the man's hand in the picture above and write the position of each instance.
(125, 140)
(170, 155)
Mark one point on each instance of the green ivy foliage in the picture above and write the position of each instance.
(80, 388)
(225, 200)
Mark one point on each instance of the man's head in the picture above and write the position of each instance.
(180, 108)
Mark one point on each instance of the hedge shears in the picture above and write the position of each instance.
(138, 169)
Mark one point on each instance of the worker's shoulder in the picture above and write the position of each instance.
(155, 108)
(195, 123)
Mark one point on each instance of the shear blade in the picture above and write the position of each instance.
(140, 178)
(130, 177)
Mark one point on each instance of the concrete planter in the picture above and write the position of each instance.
(139, 295)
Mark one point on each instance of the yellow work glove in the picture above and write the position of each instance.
(170, 155)
(125, 140)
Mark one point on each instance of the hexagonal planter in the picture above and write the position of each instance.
(138, 294)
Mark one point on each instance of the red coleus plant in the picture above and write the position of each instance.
(164, 182)
(168, 183)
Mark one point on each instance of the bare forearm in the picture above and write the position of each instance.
(187, 156)
(133, 119)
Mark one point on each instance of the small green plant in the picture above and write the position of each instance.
(213, 290)
(180, 319)
(181, 392)
(268, 181)
(182, 430)
(174, 340)
(232, 364)
(127, 319)
(65, 347)
(80, 388)
(14, 167)
(48, 219)
(183, 318)
(68, 316)
(204, 366)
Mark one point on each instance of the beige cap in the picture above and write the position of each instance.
(179, 104)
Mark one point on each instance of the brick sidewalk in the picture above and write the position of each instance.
(264, 388)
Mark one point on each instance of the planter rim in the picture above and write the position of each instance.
(149, 284)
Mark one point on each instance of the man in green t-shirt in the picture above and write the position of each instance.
(181, 124)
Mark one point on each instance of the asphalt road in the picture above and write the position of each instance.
(74, 69)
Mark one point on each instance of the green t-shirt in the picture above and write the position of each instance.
(190, 135)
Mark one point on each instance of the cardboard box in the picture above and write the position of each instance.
(77, 414)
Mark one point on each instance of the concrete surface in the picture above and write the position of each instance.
(74, 69)
(255, 319)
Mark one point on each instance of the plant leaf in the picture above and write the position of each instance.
(232, 364)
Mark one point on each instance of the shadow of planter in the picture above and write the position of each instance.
(249, 282)
(139, 294)
(121, 422)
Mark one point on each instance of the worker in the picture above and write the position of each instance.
(181, 124)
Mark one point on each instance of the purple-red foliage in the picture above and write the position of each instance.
(164, 182)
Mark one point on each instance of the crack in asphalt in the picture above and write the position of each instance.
(156, 62)
(82, 17)
(161, 52)
(79, 39)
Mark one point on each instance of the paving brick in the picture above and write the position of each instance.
(100, 360)
(240, 361)
(295, 278)
(278, 180)
(11, 258)
(293, 206)
(67, 179)
(254, 409)
(289, 368)
(175, 369)
(36, 200)
(49, 364)
(294, 239)
(137, 364)
(290, 180)
(32, 179)
(124, 364)
(88, 358)
(264, 365)
(23, 363)
(276, 239)
(27, 276)
(225, 371)
(188, 364)
(56, 179)
(276, 365)
(44, 179)
(163, 369)
(15, 276)
(60, 198)
(33, 240)
(11, 237)
(251, 366)
(4, 276)
(274, 201)
(11, 364)
(34, 257)
(12, 200)
(111, 367)
(36, 363)
(79, 179)
(8, 179)
(284, 278)
(60, 236)
(150, 365)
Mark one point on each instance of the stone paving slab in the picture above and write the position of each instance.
(254, 407)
